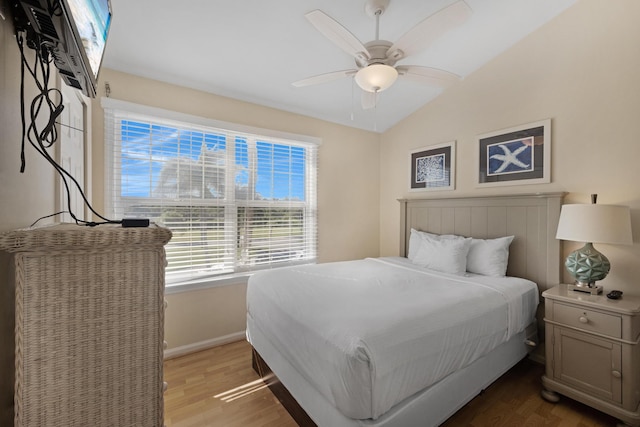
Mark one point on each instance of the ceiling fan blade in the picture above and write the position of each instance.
(323, 78)
(338, 34)
(424, 33)
(427, 75)
(369, 99)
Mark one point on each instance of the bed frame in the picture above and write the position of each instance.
(534, 254)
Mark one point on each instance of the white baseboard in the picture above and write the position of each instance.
(203, 345)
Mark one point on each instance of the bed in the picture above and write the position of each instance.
(402, 341)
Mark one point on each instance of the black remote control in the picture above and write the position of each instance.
(614, 294)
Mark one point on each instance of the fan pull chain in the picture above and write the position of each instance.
(375, 112)
(353, 99)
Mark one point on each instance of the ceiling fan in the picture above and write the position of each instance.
(376, 60)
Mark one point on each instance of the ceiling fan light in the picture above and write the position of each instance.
(376, 77)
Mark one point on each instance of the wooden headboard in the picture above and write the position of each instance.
(534, 253)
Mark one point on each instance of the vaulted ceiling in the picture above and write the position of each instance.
(253, 50)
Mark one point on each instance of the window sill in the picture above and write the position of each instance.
(218, 281)
(209, 282)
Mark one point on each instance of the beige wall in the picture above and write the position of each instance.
(347, 192)
(23, 197)
(580, 70)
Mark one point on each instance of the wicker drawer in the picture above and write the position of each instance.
(588, 320)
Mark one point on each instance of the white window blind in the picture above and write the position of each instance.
(235, 200)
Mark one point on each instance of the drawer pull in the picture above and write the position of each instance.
(583, 319)
(616, 374)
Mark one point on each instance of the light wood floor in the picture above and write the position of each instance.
(218, 387)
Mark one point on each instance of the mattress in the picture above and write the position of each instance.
(367, 334)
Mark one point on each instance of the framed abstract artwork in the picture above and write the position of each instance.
(515, 156)
(433, 167)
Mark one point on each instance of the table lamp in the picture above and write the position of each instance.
(592, 224)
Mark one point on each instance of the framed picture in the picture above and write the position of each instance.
(434, 167)
(515, 156)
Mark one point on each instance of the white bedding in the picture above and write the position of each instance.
(369, 333)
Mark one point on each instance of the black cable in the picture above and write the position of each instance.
(47, 216)
(55, 9)
(23, 161)
(36, 105)
(41, 140)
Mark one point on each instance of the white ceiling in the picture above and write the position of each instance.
(253, 50)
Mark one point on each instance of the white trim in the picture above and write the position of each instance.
(203, 345)
(116, 104)
(72, 95)
(206, 282)
(239, 278)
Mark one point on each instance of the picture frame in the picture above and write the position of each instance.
(433, 168)
(515, 156)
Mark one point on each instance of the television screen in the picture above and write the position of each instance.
(92, 19)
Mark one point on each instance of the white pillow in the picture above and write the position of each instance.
(489, 257)
(415, 240)
(448, 255)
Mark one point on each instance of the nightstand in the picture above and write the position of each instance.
(592, 352)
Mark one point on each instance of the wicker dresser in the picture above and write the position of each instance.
(89, 327)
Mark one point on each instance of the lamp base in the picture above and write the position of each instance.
(593, 290)
(587, 265)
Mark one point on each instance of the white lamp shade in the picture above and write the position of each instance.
(595, 224)
(376, 77)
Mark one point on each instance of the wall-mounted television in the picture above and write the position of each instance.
(75, 34)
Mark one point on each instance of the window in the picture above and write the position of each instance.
(236, 199)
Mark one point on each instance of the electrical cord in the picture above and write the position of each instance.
(44, 139)
(47, 216)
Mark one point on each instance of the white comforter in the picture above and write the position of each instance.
(372, 332)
